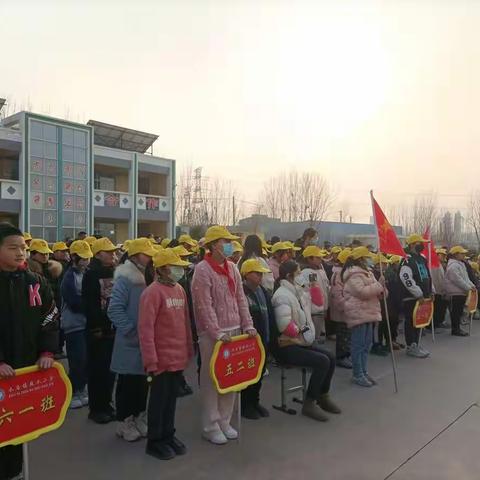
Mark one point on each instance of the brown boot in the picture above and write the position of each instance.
(327, 404)
(312, 410)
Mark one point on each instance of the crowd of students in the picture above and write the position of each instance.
(132, 317)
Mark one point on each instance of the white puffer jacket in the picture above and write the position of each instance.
(322, 283)
(456, 278)
(292, 313)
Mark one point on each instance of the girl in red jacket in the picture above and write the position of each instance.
(166, 345)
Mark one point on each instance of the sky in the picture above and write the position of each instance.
(380, 95)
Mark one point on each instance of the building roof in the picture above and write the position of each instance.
(112, 136)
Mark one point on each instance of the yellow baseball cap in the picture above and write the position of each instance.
(379, 257)
(165, 242)
(253, 265)
(343, 255)
(395, 259)
(40, 246)
(216, 233)
(313, 251)
(361, 252)
(415, 238)
(291, 246)
(59, 247)
(104, 245)
(141, 245)
(168, 257)
(279, 246)
(27, 236)
(266, 246)
(336, 249)
(81, 248)
(90, 240)
(237, 247)
(453, 250)
(187, 239)
(126, 244)
(475, 266)
(441, 251)
(181, 251)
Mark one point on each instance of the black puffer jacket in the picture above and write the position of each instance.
(28, 318)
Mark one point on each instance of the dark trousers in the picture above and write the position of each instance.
(412, 334)
(251, 395)
(383, 327)
(131, 396)
(342, 342)
(320, 360)
(457, 304)
(439, 310)
(162, 405)
(77, 360)
(11, 461)
(100, 378)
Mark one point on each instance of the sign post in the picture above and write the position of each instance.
(472, 304)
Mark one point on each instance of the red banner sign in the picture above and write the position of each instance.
(32, 403)
(422, 314)
(237, 364)
(472, 301)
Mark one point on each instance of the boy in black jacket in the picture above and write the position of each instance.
(96, 290)
(261, 311)
(28, 324)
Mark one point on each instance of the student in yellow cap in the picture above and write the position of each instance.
(280, 254)
(61, 254)
(132, 386)
(417, 286)
(28, 238)
(394, 299)
(237, 252)
(221, 311)
(97, 287)
(74, 321)
(187, 241)
(440, 300)
(457, 286)
(261, 310)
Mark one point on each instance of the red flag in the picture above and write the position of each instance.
(431, 254)
(388, 241)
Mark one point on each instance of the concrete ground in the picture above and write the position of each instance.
(378, 432)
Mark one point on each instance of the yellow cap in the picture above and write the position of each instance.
(453, 250)
(59, 247)
(141, 245)
(81, 248)
(168, 257)
(181, 251)
(279, 246)
(475, 266)
(103, 245)
(291, 246)
(343, 255)
(361, 252)
(415, 238)
(126, 244)
(336, 249)
(395, 259)
(90, 240)
(379, 257)
(187, 239)
(216, 233)
(27, 236)
(40, 246)
(237, 247)
(313, 251)
(165, 242)
(441, 251)
(253, 265)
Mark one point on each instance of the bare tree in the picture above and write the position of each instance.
(424, 212)
(473, 216)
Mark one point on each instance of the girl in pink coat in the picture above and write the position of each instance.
(361, 293)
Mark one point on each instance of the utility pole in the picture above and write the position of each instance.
(233, 211)
(341, 215)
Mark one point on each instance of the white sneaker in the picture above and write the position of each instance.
(76, 403)
(216, 437)
(84, 398)
(424, 350)
(127, 430)
(414, 351)
(229, 432)
(141, 424)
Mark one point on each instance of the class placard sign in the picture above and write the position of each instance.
(423, 314)
(237, 364)
(32, 403)
(472, 301)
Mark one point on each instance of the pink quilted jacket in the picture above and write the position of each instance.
(362, 293)
(337, 301)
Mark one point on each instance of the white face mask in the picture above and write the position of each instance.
(299, 281)
(176, 273)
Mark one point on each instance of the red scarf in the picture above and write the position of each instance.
(221, 270)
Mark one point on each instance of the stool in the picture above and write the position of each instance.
(284, 391)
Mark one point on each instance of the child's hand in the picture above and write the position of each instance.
(6, 371)
(44, 363)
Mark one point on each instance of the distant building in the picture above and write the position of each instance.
(334, 232)
(458, 224)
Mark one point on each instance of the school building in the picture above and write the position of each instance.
(58, 178)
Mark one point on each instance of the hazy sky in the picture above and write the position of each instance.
(381, 95)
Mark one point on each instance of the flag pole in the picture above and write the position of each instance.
(430, 270)
(392, 355)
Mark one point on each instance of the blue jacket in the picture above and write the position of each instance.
(73, 317)
(129, 284)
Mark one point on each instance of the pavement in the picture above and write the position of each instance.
(428, 430)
